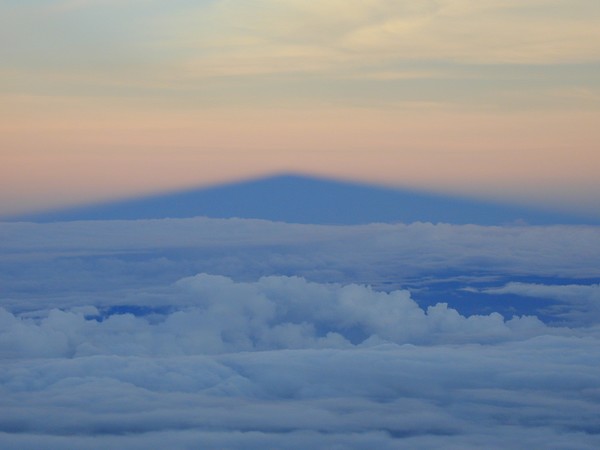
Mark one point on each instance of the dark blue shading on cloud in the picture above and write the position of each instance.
(309, 200)
(467, 301)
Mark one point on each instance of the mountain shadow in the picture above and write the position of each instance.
(304, 199)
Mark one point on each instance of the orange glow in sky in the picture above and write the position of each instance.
(104, 99)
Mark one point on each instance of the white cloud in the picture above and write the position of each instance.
(238, 359)
(63, 265)
(528, 392)
(213, 314)
(555, 250)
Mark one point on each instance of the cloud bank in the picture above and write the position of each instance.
(250, 334)
(286, 362)
(135, 262)
(212, 315)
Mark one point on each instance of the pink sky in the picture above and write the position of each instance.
(106, 100)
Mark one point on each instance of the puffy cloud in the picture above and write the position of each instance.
(111, 336)
(209, 314)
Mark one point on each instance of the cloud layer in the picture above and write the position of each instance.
(51, 265)
(527, 393)
(251, 334)
(209, 314)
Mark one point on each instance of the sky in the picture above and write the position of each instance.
(104, 99)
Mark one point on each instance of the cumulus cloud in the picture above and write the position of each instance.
(251, 334)
(210, 314)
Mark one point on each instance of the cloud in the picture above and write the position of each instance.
(65, 265)
(576, 302)
(235, 38)
(526, 392)
(208, 314)
(295, 36)
(252, 334)
(566, 250)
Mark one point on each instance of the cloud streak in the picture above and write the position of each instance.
(252, 38)
(570, 302)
